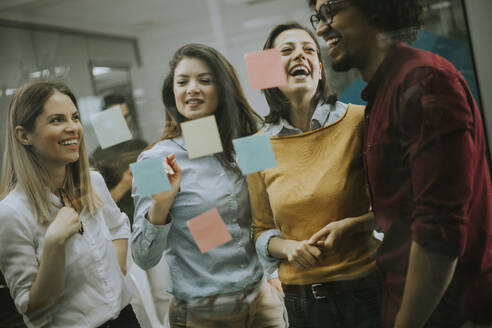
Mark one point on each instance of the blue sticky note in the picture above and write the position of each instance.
(150, 176)
(254, 153)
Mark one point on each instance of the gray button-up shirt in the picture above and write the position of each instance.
(205, 184)
(323, 115)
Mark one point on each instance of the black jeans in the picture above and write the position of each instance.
(354, 304)
(9, 317)
(126, 319)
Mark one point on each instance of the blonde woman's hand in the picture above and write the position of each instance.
(66, 223)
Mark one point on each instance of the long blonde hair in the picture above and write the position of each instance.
(23, 167)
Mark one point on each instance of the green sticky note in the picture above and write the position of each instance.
(150, 176)
(254, 153)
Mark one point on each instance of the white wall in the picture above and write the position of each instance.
(157, 45)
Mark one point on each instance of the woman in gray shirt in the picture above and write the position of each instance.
(222, 287)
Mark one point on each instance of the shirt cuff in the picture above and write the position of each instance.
(444, 235)
(269, 263)
(152, 232)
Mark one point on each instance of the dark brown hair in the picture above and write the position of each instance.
(235, 117)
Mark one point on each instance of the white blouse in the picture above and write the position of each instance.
(95, 290)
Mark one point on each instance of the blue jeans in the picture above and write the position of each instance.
(353, 304)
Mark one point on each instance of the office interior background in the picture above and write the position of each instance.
(104, 46)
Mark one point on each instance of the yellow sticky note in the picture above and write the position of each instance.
(201, 137)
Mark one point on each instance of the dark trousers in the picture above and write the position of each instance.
(126, 319)
(9, 317)
(350, 304)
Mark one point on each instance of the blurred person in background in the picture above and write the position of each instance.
(113, 162)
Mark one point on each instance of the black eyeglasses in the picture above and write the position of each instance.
(327, 11)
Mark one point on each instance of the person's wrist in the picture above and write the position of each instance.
(158, 214)
(55, 240)
(123, 186)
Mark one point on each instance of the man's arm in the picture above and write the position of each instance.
(428, 277)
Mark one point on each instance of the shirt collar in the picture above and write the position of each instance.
(323, 114)
(372, 87)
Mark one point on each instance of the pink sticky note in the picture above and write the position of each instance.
(265, 69)
(209, 230)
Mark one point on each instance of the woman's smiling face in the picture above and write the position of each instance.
(57, 132)
(301, 62)
(195, 91)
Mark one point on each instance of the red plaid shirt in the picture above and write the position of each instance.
(429, 182)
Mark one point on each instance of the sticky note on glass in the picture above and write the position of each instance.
(254, 153)
(201, 137)
(209, 230)
(265, 69)
(110, 127)
(150, 176)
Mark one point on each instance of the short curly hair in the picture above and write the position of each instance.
(400, 19)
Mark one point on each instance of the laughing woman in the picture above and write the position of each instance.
(63, 241)
(311, 213)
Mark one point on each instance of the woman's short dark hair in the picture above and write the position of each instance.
(277, 101)
(400, 19)
(235, 117)
(113, 99)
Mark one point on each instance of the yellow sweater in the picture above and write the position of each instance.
(319, 179)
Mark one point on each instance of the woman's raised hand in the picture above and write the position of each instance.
(161, 202)
(174, 174)
(66, 223)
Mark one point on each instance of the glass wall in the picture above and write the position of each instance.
(132, 65)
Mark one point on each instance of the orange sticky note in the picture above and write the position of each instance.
(265, 69)
(209, 230)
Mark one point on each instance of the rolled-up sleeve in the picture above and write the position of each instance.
(148, 241)
(263, 225)
(116, 221)
(269, 263)
(438, 132)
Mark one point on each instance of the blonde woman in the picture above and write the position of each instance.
(63, 241)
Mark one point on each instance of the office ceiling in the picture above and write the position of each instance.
(130, 17)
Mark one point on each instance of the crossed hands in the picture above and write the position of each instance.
(307, 253)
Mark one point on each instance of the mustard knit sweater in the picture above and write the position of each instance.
(319, 179)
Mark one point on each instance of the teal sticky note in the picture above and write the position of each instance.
(150, 176)
(254, 153)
